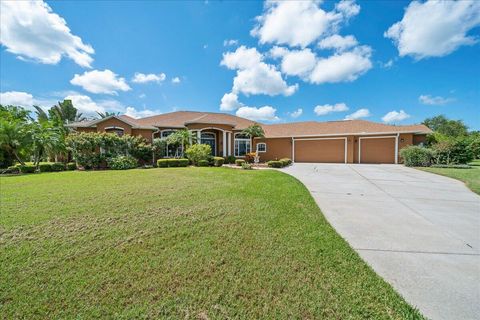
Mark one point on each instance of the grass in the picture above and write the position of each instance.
(471, 177)
(175, 243)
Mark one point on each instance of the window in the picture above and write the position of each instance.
(166, 133)
(241, 144)
(118, 131)
(209, 138)
(261, 147)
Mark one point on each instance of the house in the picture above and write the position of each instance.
(347, 141)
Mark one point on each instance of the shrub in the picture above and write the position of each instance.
(58, 166)
(452, 166)
(416, 156)
(246, 166)
(12, 169)
(474, 143)
(198, 152)
(122, 163)
(172, 163)
(202, 163)
(27, 168)
(162, 163)
(250, 157)
(71, 166)
(239, 162)
(286, 161)
(230, 159)
(456, 151)
(218, 161)
(183, 162)
(275, 164)
(44, 167)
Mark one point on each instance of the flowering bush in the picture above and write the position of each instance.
(122, 163)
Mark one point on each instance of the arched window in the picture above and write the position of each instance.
(261, 147)
(166, 133)
(241, 144)
(117, 130)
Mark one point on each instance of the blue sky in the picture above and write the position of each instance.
(387, 61)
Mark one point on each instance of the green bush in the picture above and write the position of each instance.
(183, 162)
(202, 163)
(230, 159)
(452, 166)
(239, 162)
(198, 152)
(172, 163)
(286, 161)
(275, 164)
(122, 163)
(12, 169)
(457, 151)
(218, 161)
(162, 163)
(246, 166)
(416, 156)
(45, 167)
(58, 166)
(71, 166)
(27, 168)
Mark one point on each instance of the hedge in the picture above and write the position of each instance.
(230, 159)
(45, 167)
(58, 166)
(286, 161)
(27, 168)
(203, 163)
(122, 163)
(416, 156)
(239, 162)
(275, 164)
(218, 161)
(71, 166)
(170, 163)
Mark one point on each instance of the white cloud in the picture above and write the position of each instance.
(338, 42)
(176, 80)
(295, 62)
(297, 113)
(322, 110)
(16, 98)
(388, 64)
(299, 23)
(435, 28)
(230, 102)
(144, 78)
(342, 67)
(100, 82)
(360, 113)
(432, 101)
(85, 104)
(32, 31)
(265, 113)
(230, 42)
(134, 113)
(255, 76)
(395, 116)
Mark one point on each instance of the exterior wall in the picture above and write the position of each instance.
(277, 148)
(86, 129)
(112, 122)
(405, 139)
(419, 139)
(196, 126)
(146, 133)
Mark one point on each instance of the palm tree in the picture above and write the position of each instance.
(14, 137)
(41, 114)
(64, 112)
(47, 139)
(107, 114)
(254, 131)
(180, 137)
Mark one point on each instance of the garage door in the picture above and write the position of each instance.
(328, 150)
(377, 150)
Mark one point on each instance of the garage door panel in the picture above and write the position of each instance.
(377, 150)
(327, 151)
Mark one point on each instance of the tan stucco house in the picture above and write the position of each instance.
(347, 141)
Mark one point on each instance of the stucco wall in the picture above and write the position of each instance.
(112, 122)
(277, 148)
(145, 133)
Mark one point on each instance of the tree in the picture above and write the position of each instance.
(46, 139)
(181, 138)
(445, 126)
(41, 114)
(15, 136)
(107, 114)
(64, 112)
(254, 131)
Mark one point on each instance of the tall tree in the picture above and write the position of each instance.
(445, 126)
(15, 135)
(64, 112)
(107, 114)
(254, 131)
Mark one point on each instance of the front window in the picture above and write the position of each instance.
(242, 145)
(261, 147)
(208, 138)
(118, 131)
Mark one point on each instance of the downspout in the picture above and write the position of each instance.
(396, 147)
(293, 149)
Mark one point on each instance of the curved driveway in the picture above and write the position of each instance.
(418, 230)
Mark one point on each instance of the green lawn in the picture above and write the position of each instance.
(471, 177)
(212, 243)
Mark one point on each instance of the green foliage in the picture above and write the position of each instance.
(183, 162)
(159, 147)
(230, 159)
(455, 151)
(254, 131)
(218, 161)
(107, 114)
(15, 134)
(450, 128)
(142, 151)
(71, 166)
(162, 163)
(27, 168)
(169, 163)
(416, 156)
(202, 163)
(45, 167)
(452, 166)
(239, 162)
(198, 152)
(474, 144)
(286, 161)
(12, 170)
(58, 166)
(172, 163)
(247, 166)
(122, 163)
(275, 164)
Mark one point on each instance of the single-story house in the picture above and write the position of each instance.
(346, 141)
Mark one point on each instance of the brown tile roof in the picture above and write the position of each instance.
(181, 118)
(129, 120)
(311, 128)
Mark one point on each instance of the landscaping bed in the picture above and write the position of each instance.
(179, 243)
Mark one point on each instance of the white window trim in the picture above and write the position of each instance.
(166, 130)
(264, 144)
(379, 137)
(235, 139)
(345, 147)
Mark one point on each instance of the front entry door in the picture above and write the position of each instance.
(209, 138)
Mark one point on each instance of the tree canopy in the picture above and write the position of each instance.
(447, 127)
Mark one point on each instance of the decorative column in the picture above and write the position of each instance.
(224, 149)
(229, 135)
(199, 136)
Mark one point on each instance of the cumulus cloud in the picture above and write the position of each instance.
(32, 31)
(85, 104)
(435, 28)
(295, 62)
(97, 81)
(360, 113)
(266, 113)
(338, 42)
(151, 77)
(134, 113)
(230, 102)
(395, 116)
(322, 110)
(255, 76)
(176, 80)
(297, 113)
(16, 98)
(342, 67)
(230, 42)
(433, 101)
(299, 23)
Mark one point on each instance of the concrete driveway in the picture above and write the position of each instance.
(419, 231)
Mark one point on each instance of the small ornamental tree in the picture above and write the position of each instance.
(198, 152)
